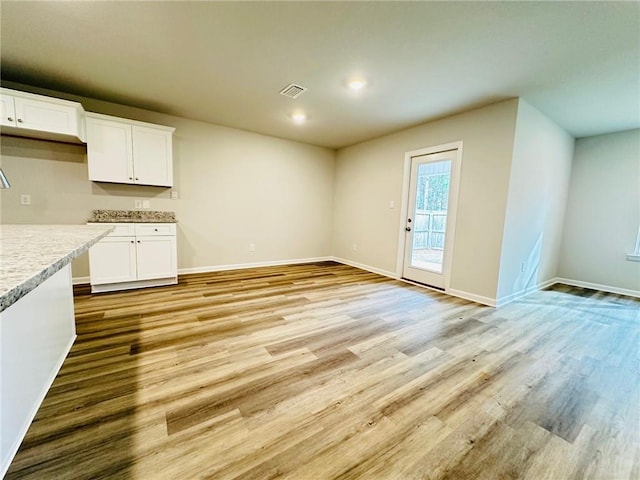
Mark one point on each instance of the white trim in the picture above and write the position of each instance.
(101, 116)
(597, 286)
(240, 266)
(501, 302)
(220, 268)
(635, 256)
(454, 192)
(386, 273)
(452, 215)
(446, 147)
(361, 266)
(115, 287)
(404, 213)
(491, 302)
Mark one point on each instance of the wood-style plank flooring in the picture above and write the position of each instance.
(324, 371)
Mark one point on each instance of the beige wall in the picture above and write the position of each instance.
(296, 201)
(603, 212)
(538, 188)
(235, 188)
(370, 175)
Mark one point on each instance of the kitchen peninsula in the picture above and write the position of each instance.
(37, 325)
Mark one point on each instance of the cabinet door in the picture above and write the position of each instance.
(46, 116)
(113, 260)
(152, 156)
(109, 151)
(156, 257)
(7, 111)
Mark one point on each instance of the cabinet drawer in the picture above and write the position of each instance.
(151, 229)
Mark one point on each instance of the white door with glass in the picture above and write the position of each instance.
(430, 218)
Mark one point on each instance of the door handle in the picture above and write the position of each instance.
(408, 229)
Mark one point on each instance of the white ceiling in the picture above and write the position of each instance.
(224, 62)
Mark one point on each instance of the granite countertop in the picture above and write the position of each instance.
(29, 254)
(132, 216)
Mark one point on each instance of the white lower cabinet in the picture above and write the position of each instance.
(134, 255)
(155, 257)
(113, 260)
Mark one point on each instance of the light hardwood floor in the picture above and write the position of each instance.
(325, 371)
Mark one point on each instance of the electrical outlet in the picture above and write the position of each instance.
(174, 194)
(392, 204)
(252, 247)
(355, 247)
(25, 199)
(137, 204)
(146, 204)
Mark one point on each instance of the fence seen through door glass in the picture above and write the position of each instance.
(432, 198)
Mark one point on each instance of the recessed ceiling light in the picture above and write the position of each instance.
(298, 117)
(357, 84)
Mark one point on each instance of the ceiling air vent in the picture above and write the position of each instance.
(292, 90)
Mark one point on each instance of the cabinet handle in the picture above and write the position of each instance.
(137, 178)
(138, 241)
(10, 119)
(131, 241)
(19, 120)
(155, 229)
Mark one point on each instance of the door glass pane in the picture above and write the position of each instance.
(432, 197)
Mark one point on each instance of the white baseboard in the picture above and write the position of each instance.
(362, 266)
(502, 301)
(597, 286)
(240, 266)
(120, 286)
(491, 302)
(456, 293)
(235, 266)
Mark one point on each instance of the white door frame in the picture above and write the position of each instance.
(452, 210)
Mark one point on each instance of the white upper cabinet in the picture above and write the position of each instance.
(152, 155)
(127, 151)
(29, 115)
(109, 150)
(7, 110)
